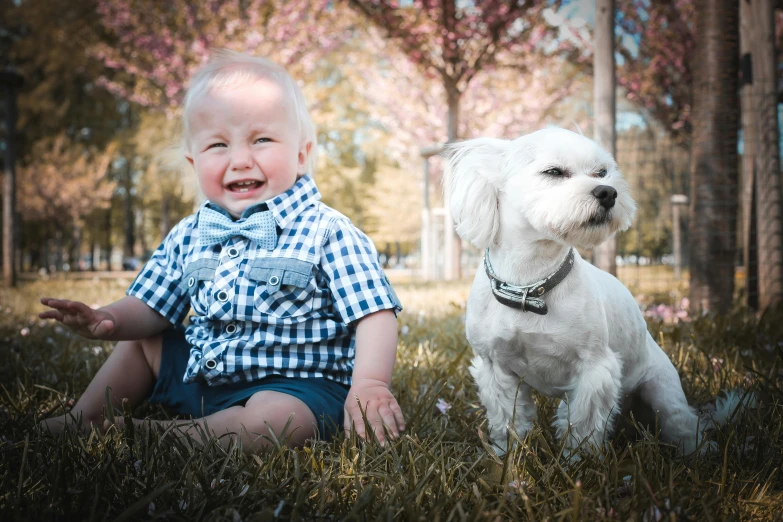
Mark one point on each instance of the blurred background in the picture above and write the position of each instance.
(686, 93)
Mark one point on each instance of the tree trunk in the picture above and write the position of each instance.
(46, 248)
(713, 202)
(165, 216)
(109, 245)
(129, 224)
(453, 244)
(76, 247)
(35, 251)
(604, 104)
(140, 216)
(9, 184)
(748, 174)
(95, 255)
(760, 124)
(58, 249)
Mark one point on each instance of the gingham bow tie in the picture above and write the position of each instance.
(214, 227)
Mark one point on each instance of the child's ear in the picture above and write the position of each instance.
(304, 154)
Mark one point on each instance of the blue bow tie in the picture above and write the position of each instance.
(215, 227)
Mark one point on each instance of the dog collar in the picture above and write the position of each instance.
(527, 298)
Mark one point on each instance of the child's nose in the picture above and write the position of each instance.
(240, 158)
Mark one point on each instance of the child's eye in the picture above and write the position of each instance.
(263, 140)
(218, 144)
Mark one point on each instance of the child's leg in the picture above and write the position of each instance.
(250, 421)
(130, 372)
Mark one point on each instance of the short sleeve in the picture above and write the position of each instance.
(158, 283)
(356, 280)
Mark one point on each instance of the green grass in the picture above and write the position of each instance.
(439, 470)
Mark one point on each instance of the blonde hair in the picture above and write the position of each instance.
(229, 68)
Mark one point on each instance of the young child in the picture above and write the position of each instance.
(293, 314)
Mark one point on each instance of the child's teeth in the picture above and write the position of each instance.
(244, 186)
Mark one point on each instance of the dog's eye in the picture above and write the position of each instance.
(554, 171)
(601, 173)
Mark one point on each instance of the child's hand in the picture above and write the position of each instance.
(380, 408)
(89, 323)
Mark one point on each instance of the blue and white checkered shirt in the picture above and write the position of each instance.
(288, 311)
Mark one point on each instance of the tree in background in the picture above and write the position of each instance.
(761, 156)
(60, 98)
(657, 45)
(65, 183)
(454, 43)
(657, 54)
(657, 74)
(167, 187)
(498, 102)
(714, 197)
(50, 38)
(160, 44)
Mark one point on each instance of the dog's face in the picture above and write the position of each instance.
(552, 184)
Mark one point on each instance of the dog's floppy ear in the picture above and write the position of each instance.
(474, 166)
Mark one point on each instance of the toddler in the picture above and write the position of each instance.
(294, 317)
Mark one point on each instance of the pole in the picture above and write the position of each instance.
(604, 105)
(678, 200)
(758, 29)
(429, 245)
(10, 82)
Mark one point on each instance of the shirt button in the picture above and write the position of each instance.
(191, 281)
(274, 280)
(231, 328)
(222, 296)
(233, 252)
(210, 364)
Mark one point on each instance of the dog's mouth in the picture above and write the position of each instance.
(600, 218)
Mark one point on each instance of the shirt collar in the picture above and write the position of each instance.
(286, 206)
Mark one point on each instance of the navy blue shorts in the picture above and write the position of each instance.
(324, 397)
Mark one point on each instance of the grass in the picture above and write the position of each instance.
(440, 469)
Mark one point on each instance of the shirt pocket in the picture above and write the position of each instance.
(284, 287)
(198, 280)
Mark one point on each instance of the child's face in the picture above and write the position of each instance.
(245, 145)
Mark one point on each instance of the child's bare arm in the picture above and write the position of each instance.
(126, 319)
(376, 350)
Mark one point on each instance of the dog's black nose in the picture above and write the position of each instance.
(605, 195)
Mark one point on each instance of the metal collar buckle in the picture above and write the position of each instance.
(519, 297)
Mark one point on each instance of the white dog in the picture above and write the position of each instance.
(539, 316)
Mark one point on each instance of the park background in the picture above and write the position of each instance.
(101, 180)
(685, 92)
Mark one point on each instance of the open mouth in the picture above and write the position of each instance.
(244, 186)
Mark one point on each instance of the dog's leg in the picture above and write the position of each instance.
(662, 390)
(506, 399)
(588, 410)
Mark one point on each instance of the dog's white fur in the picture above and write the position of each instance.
(593, 346)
